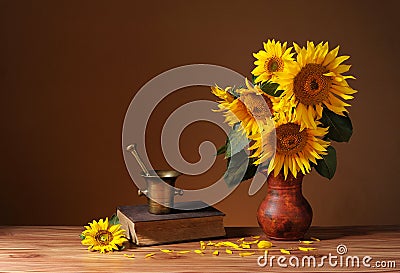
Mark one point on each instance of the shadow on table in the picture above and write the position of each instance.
(323, 233)
(327, 233)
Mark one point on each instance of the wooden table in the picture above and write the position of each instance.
(58, 249)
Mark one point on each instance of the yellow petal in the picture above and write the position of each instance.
(335, 63)
(315, 239)
(319, 110)
(105, 224)
(264, 244)
(300, 164)
(284, 251)
(285, 167)
(307, 242)
(130, 256)
(166, 250)
(183, 251)
(306, 248)
(335, 109)
(330, 56)
(244, 254)
(342, 68)
(150, 255)
(292, 166)
(229, 244)
(340, 94)
(336, 101)
(198, 251)
(216, 253)
(228, 251)
(256, 237)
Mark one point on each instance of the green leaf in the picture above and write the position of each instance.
(340, 127)
(250, 171)
(114, 220)
(82, 236)
(253, 79)
(327, 165)
(271, 89)
(236, 141)
(240, 168)
(268, 87)
(233, 91)
(221, 150)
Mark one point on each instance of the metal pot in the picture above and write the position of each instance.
(160, 195)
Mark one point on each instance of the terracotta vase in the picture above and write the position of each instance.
(284, 214)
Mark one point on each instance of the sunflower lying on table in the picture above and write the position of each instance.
(104, 235)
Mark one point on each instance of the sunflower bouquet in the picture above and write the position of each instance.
(286, 119)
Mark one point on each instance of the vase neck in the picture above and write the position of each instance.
(279, 181)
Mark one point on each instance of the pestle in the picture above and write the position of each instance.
(132, 149)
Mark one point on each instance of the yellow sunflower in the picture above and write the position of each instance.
(295, 147)
(251, 108)
(103, 237)
(274, 58)
(315, 80)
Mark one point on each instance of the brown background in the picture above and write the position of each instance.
(69, 69)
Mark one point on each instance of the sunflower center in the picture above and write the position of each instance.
(314, 85)
(273, 64)
(289, 139)
(257, 106)
(310, 86)
(104, 237)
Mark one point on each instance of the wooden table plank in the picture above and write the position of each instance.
(58, 249)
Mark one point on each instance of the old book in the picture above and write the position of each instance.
(144, 228)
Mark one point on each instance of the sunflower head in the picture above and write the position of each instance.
(295, 147)
(315, 81)
(251, 108)
(310, 85)
(103, 236)
(273, 59)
